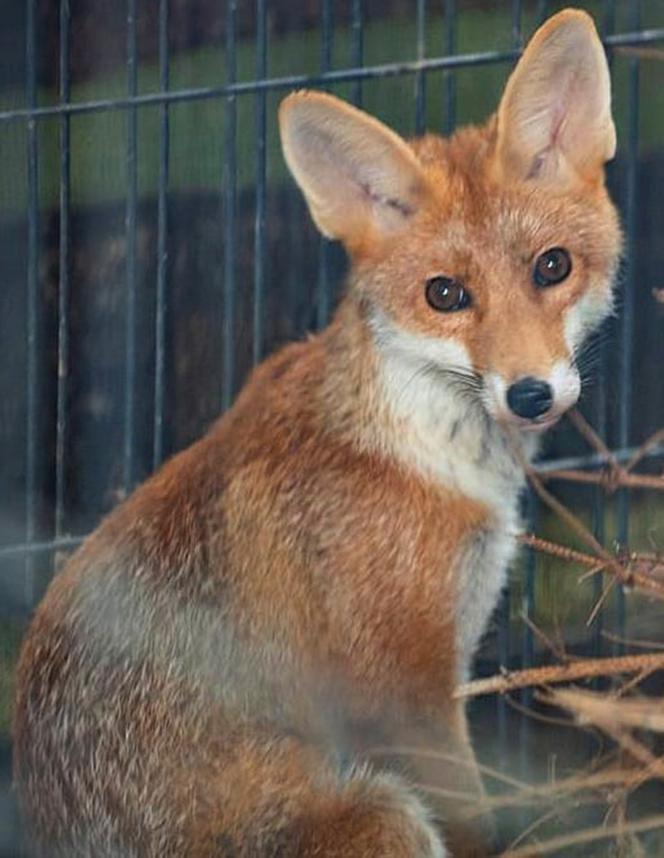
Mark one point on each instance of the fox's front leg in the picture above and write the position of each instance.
(436, 754)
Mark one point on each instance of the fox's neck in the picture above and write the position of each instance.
(384, 398)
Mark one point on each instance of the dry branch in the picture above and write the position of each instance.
(637, 569)
(594, 708)
(615, 714)
(586, 835)
(553, 674)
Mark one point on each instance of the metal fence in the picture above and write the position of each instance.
(45, 377)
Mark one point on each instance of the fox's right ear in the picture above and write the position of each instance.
(359, 177)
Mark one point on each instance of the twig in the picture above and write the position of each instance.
(636, 642)
(614, 475)
(553, 648)
(573, 521)
(586, 431)
(552, 674)
(609, 479)
(642, 53)
(544, 792)
(597, 607)
(600, 708)
(631, 576)
(447, 757)
(537, 823)
(650, 442)
(557, 550)
(586, 835)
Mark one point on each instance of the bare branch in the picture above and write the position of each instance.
(586, 835)
(553, 674)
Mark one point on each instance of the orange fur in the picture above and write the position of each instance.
(295, 596)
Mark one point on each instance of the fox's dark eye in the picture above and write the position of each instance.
(446, 295)
(552, 267)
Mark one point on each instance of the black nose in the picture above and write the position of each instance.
(530, 397)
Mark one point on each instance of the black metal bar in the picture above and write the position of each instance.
(517, 8)
(63, 276)
(162, 244)
(528, 598)
(596, 460)
(128, 456)
(527, 644)
(357, 46)
(230, 205)
(503, 618)
(420, 76)
(261, 179)
(542, 12)
(608, 18)
(327, 36)
(599, 511)
(323, 283)
(449, 79)
(627, 310)
(27, 549)
(645, 37)
(601, 424)
(32, 302)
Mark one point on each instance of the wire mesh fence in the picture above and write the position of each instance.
(155, 249)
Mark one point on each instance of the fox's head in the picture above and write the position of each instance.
(489, 256)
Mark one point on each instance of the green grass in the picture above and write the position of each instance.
(98, 141)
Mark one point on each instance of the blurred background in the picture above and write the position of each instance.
(153, 248)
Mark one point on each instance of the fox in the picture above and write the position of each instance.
(256, 654)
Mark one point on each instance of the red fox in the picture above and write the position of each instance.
(256, 654)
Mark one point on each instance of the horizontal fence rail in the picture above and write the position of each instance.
(631, 39)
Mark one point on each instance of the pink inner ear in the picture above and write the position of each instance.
(558, 112)
(555, 119)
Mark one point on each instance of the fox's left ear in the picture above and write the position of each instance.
(554, 120)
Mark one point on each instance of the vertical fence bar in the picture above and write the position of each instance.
(32, 302)
(357, 47)
(503, 619)
(323, 285)
(542, 11)
(261, 178)
(449, 78)
(528, 597)
(420, 78)
(230, 210)
(599, 505)
(527, 647)
(128, 463)
(600, 420)
(517, 9)
(162, 244)
(627, 323)
(530, 565)
(63, 276)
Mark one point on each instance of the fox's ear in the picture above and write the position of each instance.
(554, 120)
(357, 175)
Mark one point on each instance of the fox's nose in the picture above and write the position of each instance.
(530, 397)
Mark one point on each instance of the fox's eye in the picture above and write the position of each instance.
(552, 267)
(446, 295)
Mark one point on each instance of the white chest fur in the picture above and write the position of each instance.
(444, 433)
